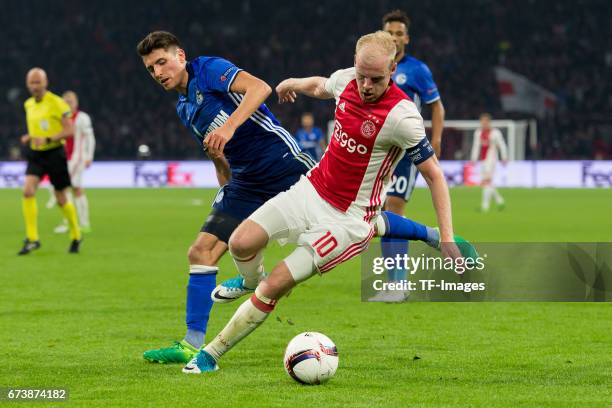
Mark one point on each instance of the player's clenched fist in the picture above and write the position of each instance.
(285, 91)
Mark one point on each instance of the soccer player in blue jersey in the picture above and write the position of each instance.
(223, 106)
(310, 137)
(415, 79)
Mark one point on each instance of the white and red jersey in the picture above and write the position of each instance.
(368, 141)
(81, 145)
(487, 145)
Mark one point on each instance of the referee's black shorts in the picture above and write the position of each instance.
(52, 162)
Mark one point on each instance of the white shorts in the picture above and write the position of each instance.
(487, 169)
(76, 169)
(301, 216)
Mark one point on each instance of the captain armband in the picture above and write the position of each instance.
(421, 152)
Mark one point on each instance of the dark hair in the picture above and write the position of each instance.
(397, 15)
(157, 40)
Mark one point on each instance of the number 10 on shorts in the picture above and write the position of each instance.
(325, 244)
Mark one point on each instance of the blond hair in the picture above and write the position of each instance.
(381, 41)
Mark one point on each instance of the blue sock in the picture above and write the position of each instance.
(404, 228)
(202, 281)
(390, 249)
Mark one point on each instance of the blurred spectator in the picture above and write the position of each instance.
(310, 138)
(565, 46)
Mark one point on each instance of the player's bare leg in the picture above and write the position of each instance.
(30, 214)
(245, 245)
(203, 255)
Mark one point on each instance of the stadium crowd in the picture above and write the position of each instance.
(566, 47)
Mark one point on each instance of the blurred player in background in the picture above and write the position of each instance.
(80, 149)
(487, 144)
(414, 78)
(334, 212)
(48, 122)
(255, 158)
(311, 138)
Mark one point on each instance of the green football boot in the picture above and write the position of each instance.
(179, 352)
(466, 248)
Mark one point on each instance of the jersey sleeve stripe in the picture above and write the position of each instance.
(231, 80)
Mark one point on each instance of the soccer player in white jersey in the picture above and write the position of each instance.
(80, 149)
(333, 212)
(414, 78)
(487, 145)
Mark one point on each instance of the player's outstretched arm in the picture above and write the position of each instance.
(433, 175)
(312, 86)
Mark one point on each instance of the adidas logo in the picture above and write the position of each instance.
(341, 106)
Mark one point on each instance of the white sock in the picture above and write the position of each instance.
(498, 198)
(251, 269)
(381, 226)
(252, 313)
(82, 206)
(486, 197)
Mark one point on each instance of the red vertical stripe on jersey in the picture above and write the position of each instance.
(485, 135)
(69, 145)
(383, 172)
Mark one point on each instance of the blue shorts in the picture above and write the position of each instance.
(404, 179)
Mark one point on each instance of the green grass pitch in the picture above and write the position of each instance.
(82, 322)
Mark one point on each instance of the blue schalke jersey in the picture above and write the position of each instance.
(415, 79)
(310, 141)
(260, 150)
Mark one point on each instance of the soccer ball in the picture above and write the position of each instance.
(311, 358)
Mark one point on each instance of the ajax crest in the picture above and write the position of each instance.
(368, 129)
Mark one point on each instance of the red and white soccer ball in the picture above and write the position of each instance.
(311, 358)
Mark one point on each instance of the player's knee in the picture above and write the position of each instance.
(29, 192)
(78, 192)
(240, 245)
